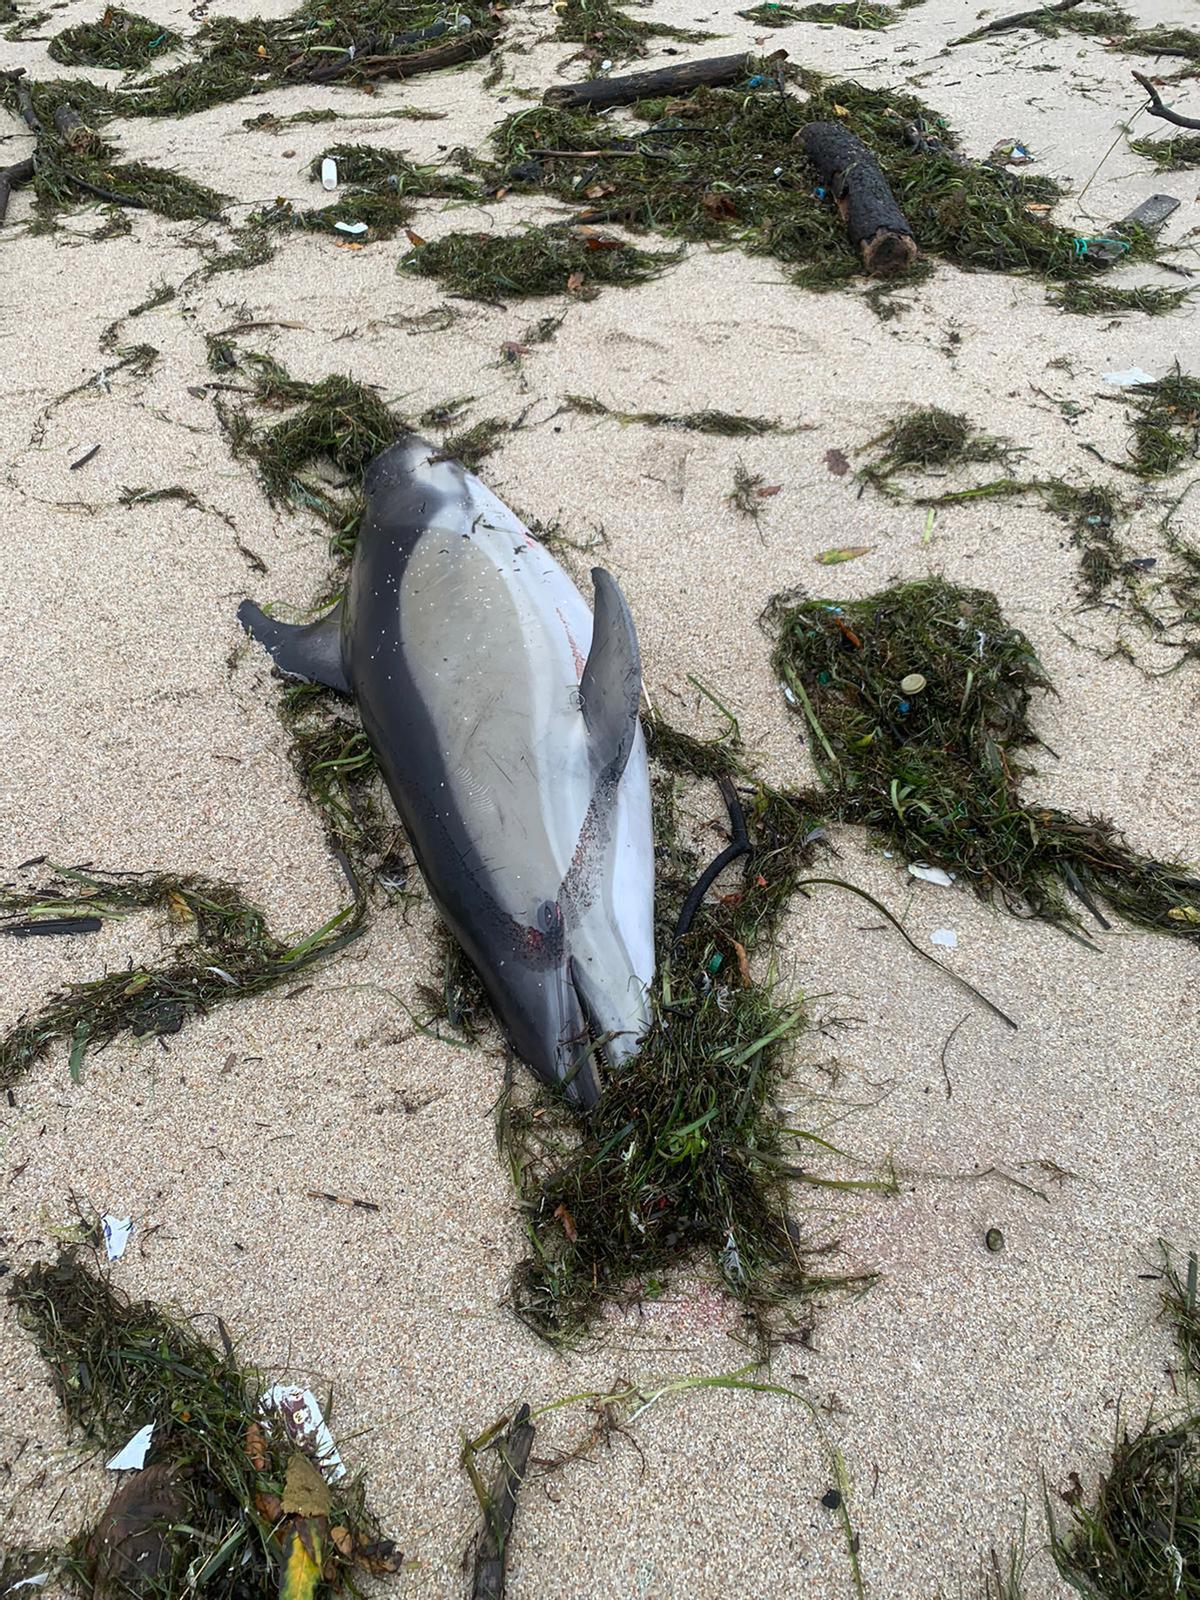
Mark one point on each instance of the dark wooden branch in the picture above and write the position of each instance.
(876, 225)
(466, 47)
(1019, 19)
(12, 178)
(74, 131)
(1157, 109)
(373, 45)
(599, 92)
(491, 1553)
(739, 845)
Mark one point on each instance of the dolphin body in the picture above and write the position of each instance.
(505, 722)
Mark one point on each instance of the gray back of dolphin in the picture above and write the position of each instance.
(505, 724)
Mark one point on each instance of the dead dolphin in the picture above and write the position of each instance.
(505, 721)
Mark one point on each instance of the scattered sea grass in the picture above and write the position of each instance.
(859, 15)
(935, 769)
(537, 261)
(472, 446)
(121, 41)
(729, 424)
(384, 184)
(1175, 154)
(215, 1511)
(772, 14)
(228, 952)
(1090, 298)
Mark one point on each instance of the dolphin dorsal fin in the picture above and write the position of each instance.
(313, 651)
(611, 686)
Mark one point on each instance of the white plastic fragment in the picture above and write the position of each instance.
(930, 874)
(1123, 379)
(351, 227)
(36, 1582)
(116, 1235)
(132, 1458)
(329, 173)
(304, 1422)
(945, 938)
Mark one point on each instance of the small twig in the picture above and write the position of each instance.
(85, 458)
(1156, 108)
(343, 1200)
(1017, 20)
(945, 1051)
(12, 178)
(739, 845)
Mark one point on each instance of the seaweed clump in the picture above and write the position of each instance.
(121, 41)
(384, 186)
(605, 29)
(726, 166)
(928, 440)
(538, 261)
(1166, 426)
(728, 424)
(1102, 299)
(336, 422)
(230, 953)
(1139, 1537)
(235, 1502)
(1175, 154)
(918, 700)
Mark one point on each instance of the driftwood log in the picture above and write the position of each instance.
(596, 93)
(1157, 109)
(12, 178)
(377, 58)
(877, 227)
(491, 1553)
(1018, 19)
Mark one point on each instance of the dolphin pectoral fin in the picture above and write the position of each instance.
(312, 652)
(611, 686)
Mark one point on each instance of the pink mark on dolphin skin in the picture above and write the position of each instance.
(579, 661)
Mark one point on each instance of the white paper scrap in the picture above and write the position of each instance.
(1124, 379)
(930, 874)
(133, 1457)
(116, 1235)
(945, 938)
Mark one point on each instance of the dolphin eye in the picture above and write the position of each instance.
(548, 916)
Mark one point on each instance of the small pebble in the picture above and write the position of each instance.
(831, 1500)
(287, 154)
(994, 1240)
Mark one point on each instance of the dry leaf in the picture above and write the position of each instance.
(343, 1540)
(177, 907)
(840, 111)
(501, 192)
(305, 1492)
(1038, 209)
(767, 490)
(568, 1223)
(718, 205)
(842, 552)
(256, 1443)
(136, 985)
(1187, 914)
(574, 282)
(414, 239)
(602, 242)
(131, 1542)
(836, 461)
(739, 950)
(269, 1506)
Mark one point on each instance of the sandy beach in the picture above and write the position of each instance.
(141, 731)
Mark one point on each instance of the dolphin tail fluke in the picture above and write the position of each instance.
(611, 686)
(312, 652)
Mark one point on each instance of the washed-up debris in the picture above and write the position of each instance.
(538, 261)
(1129, 376)
(88, 455)
(131, 1457)
(928, 440)
(1157, 108)
(1142, 223)
(329, 173)
(730, 424)
(597, 94)
(936, 875)
(121, 41)
(842, 552)
(116, 1235)
(300, 1412)
(1166, 424)
(229, 1503)
(1018, 19)
(941, 782)
(994, 1240)
(944, 938)
(498, 1504)
(876, 226)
